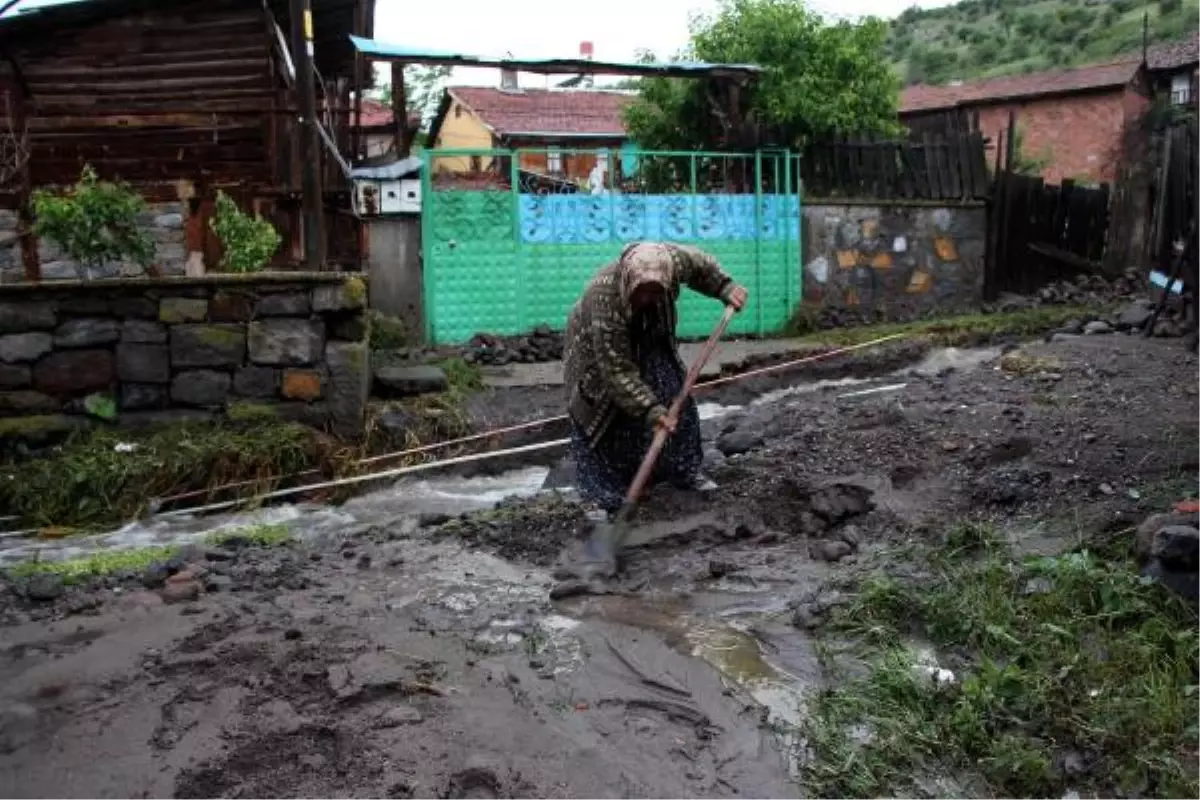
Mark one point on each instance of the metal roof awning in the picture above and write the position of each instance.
(382, 51)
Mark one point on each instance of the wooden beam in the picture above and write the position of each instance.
(399, 111)
(310, 144)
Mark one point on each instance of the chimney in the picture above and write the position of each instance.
(586, 50)
(508, 80)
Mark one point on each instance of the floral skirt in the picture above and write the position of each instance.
(604, 472)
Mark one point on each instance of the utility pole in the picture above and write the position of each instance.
(313, 200)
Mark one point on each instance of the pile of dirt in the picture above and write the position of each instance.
(543, 344)
(535, 530)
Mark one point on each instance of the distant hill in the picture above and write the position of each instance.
(988, 38)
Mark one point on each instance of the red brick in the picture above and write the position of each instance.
(301, 384)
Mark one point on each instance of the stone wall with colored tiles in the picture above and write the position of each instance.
(292, 345)
(895, 262)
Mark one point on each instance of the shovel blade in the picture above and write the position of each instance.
(600, 550)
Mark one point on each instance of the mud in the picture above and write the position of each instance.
(395, 649)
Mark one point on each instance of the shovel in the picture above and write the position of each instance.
(601, 549)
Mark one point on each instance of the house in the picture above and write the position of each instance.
(377, 130)
(567, 132)
(1073, 120)
(181, 98)
(1173, 69)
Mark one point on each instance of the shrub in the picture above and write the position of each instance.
(248, 241)
(94, 222)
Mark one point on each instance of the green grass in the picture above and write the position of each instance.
(387, 332)
(98, 565)
(88, 482)
(958, 331)
(1070, 657)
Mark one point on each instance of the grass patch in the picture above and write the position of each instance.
(387, 332)
(959, 331)
(96, 478)
(1074, 674)
(255, 535)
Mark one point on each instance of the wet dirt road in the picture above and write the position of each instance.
(385, 653)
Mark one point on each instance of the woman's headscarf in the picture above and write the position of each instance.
(646, 262)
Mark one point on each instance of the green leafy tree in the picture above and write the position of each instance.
(423, 87)
(818, 78)
(248, 241)
(94, 222)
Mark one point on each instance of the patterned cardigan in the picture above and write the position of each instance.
(602, 375)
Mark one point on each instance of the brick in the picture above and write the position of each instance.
(945, 248)
(301, 384)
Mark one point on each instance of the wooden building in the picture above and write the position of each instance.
(181, 98)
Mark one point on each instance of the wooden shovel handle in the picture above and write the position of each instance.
(689, 382)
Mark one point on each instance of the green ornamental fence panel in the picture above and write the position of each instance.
(511, 237)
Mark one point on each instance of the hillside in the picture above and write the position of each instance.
(987, 38)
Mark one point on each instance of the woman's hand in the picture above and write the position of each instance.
(737, 297)
(665, 423)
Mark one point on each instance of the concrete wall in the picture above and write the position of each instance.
(893, 262)
(295, 342)
(164, 222)
(394, 263)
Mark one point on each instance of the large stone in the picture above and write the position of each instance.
(137, 331)
(15, 376)
(284, 304)
(87, 304)
(24, 316)
(351, 327)
(218, 345)
(1177, 547)
(87, 332)
(144, 363)
(26, 402)
(1135, 315)
(408, 381)
(1097, 327)
(349, 384)
(135, 307)
(200, 387)
(301, 384)
(254, 381)
(227, 306)
(286, 342)
(75, 372)
(738, 441)
(182, 309)
(17, 347)
(142, 396)
(349, 294)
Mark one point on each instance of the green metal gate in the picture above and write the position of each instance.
(511, 237)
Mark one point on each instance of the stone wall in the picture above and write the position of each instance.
(893, 262)
(164, 222)
(294, 341)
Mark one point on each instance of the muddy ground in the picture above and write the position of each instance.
(382, 655)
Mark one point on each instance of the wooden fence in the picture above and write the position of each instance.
(1175, 204)
(949, 168)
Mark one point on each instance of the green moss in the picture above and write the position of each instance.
(355, 290)
(221, 337)
(386, 332)
(35, 427)
(257, 535)
(247, 411)
(77, 570)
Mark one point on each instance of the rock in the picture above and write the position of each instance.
(840, 501)
(400, 715)
(1184, 584)
(23, 316)
(432, 519)
(18, 347)
(87, 332)
(283, 304)
(1177, 547)
(200, 387)
(1096, 327)
(350, 294)
(409, 381)
(719, 569)
(738, 441)
(351, 327)
(348, 387)
(279, 717)
(831, 550)
(143, 363)
(314, 762)
(156, 575)
(231, 306)
(1166, 329)
(301, 384)
(75, 372)
(142, 396)
(222, 345)
(44, 587)
(1135, 315)
(807, 618)
(15, 376)
(256, 382)
(184, 591)
(218, 583)
(135, 307)
(137, 331)
(20, 403)
(286, 342)
(851, 535)
(478, 778)
(219, 554)
(1073, 327)
(175, 310)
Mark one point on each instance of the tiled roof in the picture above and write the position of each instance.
(1174, 55)
(921, 97)
(584, 111)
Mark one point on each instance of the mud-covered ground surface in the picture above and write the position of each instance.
(381, 655)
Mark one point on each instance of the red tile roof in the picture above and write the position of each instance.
(921, 97)
(583, 111)
(376, 114)
(1174, 55)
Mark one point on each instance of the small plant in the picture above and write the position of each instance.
(387, 332)
(94, 222)
(248, 241)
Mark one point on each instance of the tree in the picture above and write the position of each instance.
(423, 87)
(818, 78)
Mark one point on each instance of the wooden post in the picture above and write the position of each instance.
(1010, 144)
(18, 122)
(310, 143)
(399, 111)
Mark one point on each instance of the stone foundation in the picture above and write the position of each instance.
(294, 342)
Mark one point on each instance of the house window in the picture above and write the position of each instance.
(554, 161)
(1181, 89)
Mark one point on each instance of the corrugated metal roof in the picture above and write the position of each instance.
(547, 66)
